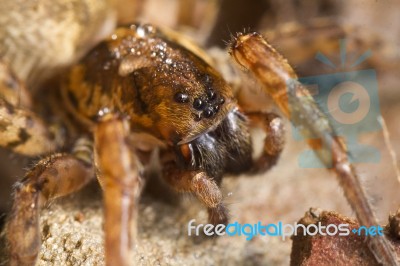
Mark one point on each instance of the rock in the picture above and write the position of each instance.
(335, 249)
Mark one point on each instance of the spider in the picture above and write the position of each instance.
(142, 87)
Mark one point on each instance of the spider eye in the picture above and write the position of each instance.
(198, 104)
(211, 94)
(208, 112)
(181, 97)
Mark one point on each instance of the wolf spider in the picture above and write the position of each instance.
(140, 86)
(139, 90)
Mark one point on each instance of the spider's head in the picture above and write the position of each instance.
(184, 102)
(181, 94)
(166, 89)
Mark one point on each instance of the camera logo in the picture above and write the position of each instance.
(351, 103)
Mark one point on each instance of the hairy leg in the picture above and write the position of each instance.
(279, 81)
(236, 139)
(274, 141)
(202, 186)
(119, 176)
(55, 176)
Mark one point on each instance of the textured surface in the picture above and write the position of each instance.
(72, 227)
(64, 34)
(338, 250)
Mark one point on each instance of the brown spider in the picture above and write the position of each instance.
(139, 90)
(140, 86)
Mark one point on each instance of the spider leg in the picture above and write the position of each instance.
(278, 79)
(54, 176)
(235, 139)
(21, 130)
(202, 186)
(119, 177)
(274, 141)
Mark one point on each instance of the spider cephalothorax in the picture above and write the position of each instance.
(166, 90)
